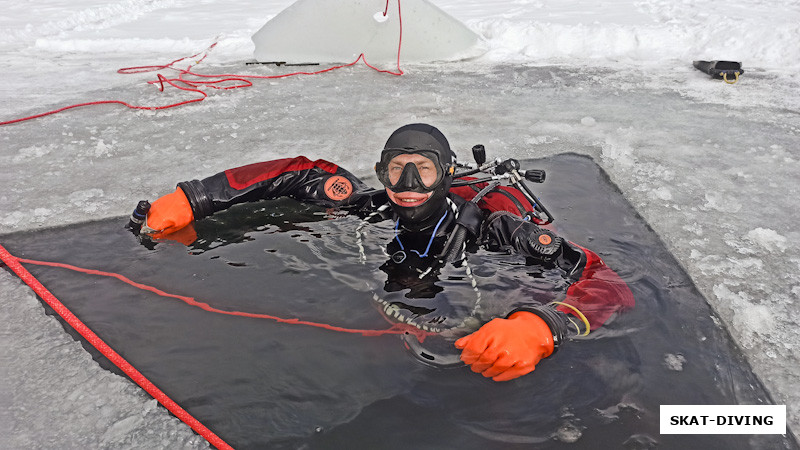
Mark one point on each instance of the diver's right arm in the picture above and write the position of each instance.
(319, 182)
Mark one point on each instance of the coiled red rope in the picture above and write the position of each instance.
(218, 81)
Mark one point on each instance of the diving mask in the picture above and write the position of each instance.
(421, 171)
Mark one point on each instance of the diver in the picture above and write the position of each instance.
(437, 225)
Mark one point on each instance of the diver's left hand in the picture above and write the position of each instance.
(168, 214)
(504, 349)
(171, 217)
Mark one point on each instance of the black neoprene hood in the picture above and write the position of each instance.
(420, 136)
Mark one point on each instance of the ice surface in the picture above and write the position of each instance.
(674, 362)
(55, 396)
(712, 167)
(768, 239)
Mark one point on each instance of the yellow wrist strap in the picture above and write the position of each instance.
(580, 314)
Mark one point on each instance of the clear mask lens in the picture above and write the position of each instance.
(404, 170)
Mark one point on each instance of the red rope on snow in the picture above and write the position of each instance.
(195, 85)
(14, 264)
(161, 79)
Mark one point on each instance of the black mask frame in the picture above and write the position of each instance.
(410, 179)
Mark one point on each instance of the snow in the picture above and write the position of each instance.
(711, 167)
(768, 239)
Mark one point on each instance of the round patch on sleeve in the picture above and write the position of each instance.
(338, 188)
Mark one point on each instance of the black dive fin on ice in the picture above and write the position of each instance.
(727, 70)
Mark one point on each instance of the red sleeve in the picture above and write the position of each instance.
(318, 182)
(599, 293)
(246, 176)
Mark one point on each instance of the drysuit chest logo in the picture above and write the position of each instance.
(338, 188)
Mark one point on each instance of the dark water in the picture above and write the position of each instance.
(262, 384)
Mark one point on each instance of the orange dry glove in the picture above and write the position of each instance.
(168, 214)
(504, 349)
(186, 235)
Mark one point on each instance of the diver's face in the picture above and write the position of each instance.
(427, 171)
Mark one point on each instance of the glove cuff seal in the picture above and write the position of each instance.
(198, 198)
(552, 319)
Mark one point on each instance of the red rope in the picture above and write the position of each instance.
(217, 82)
(397, 328)
(14, 264)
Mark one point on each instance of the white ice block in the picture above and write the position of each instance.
(338, 31)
